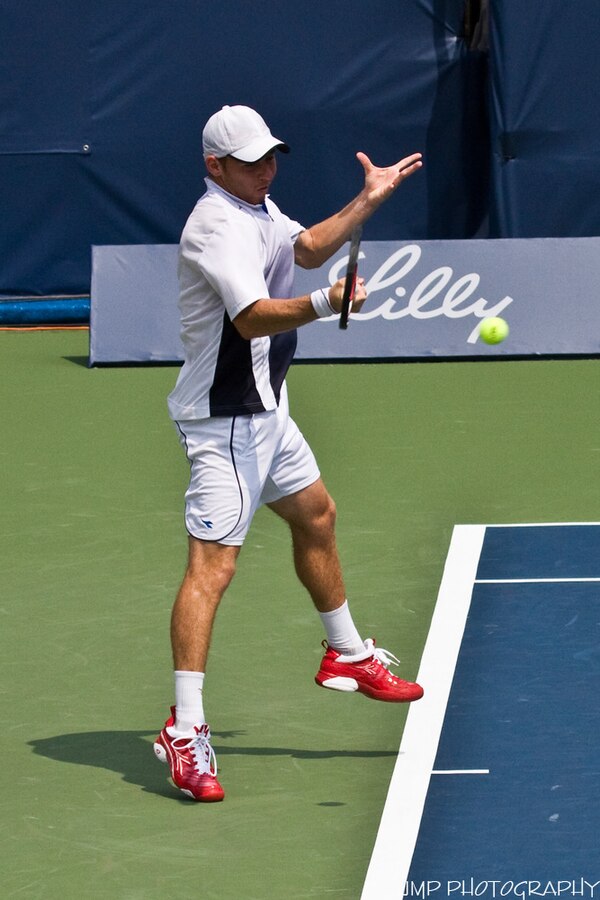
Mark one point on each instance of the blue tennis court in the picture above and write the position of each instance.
(510, 804)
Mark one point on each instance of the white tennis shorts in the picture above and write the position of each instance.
(239, 463)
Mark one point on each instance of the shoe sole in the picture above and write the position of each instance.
(350, 685)
(339, 683)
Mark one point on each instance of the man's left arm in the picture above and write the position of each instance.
(319, 242)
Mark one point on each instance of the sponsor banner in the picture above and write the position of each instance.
(426, 300)
(133, 304)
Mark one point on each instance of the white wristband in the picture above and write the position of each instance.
(321, 304)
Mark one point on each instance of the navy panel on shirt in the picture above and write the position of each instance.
(233, 390)
(281, 353)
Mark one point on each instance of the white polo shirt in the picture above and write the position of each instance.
(231, 254)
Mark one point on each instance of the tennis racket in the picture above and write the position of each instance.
(350, 280)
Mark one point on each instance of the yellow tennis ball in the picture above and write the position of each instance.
(493, 330)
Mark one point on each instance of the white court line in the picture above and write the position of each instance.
(536, 580)
(401, 818)
(543, 525)
(461, 772)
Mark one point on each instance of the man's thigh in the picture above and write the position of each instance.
(225, 482)
(293, 467)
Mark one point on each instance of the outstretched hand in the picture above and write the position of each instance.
(381, 182)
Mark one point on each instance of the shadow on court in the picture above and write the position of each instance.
(130, 754)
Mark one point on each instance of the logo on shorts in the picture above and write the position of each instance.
(207, 523)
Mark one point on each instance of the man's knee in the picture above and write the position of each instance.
(328, 514)
(309, 513)
(321, 518)
(211, 567)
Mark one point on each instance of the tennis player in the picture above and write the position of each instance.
(239, 319)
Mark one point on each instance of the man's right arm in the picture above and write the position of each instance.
(271, 316)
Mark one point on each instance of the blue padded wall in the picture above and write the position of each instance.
(545, 118)
(102, 106)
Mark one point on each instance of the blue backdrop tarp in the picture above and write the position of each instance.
(102, 106)
(545, 118)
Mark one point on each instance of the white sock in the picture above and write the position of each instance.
(189, 708)
(341, 630)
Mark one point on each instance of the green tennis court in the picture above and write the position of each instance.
(93, 550)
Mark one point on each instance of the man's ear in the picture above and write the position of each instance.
(213, 166)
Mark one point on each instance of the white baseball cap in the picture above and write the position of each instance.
(240, 132)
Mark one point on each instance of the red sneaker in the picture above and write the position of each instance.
(366, 673)
(192, 761)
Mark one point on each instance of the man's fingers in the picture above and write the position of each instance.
(413, 159)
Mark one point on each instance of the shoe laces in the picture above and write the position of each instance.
(201, 751)
(385, 657)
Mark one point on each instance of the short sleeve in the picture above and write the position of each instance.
(230, 258)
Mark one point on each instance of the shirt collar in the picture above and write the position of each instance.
(213, 187)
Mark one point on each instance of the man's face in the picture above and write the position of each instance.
(248, 181)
